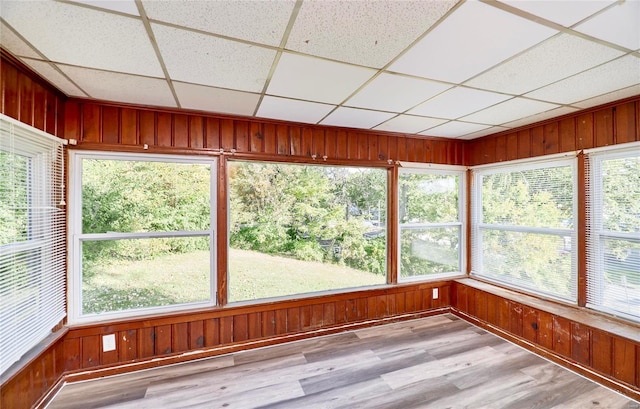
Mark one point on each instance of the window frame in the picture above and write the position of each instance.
(76, 235)
(478, 226)
(596, 233)
(420, 168)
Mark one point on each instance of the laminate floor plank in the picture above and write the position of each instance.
(438, 362)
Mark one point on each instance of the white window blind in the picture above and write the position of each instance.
(32, 238)
(613, 233)
(524, 226)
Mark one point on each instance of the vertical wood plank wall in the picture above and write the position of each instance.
(613, 124)
(142, 339)
(610, 355)
(30, 100)
(114, 127)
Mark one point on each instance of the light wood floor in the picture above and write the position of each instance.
(437, 362)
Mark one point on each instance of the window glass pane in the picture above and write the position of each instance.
(621, 193)
(428, 198)
(14, 188)
(300, 228)
(120, 275)
(535, 198)
(539, 262)
(620, 289)
(426, 251)
(141, 196)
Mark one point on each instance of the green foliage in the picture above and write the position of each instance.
(14, 175)
(533, 198)
(138, 196)
(312, 213)
(428, 198)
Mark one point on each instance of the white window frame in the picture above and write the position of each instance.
(76, 236)
(596, 232)
(433, 169)
(478, 226)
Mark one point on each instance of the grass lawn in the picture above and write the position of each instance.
(184, 278)
(256, 275)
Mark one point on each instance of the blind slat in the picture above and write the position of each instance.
(613, 232)
(32, 239)
(523, 229)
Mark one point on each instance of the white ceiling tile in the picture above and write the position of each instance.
(122, 6)
(619, 25)
(356, 118)
(293, 110)
(458, 102)
(14, 44)
(609, 97)
(81, 36)
(208, 60)
(488, 131)
(621, 73)
(369, 33)
(258, 21)
(409, 124)
(317, 80)
(475, 37)
(212, 99)
(510, 110)
(540, 117)
(118, 87)
(550, 61)
(396, 93)
(454, 129)
(52, 75)
(564, 12)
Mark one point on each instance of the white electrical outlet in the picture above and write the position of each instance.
(108, 342)
(435, 294)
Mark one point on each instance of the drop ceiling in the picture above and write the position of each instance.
(442, 68)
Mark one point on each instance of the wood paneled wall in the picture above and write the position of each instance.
(609, 125)
(35, 379)
(120, 127)
(28, 99)
(141, 340)
(555, 334)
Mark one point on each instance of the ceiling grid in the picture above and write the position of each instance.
(440, 68)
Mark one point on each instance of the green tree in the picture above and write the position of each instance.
(534, 198)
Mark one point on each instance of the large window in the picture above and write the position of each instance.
(613, 273)
(32, 238)
(430, 214)
(298, 229)
(524, 231)
(143, 234)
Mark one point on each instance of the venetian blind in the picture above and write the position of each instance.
(32, 238)
(523, 226)
(613, 232)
